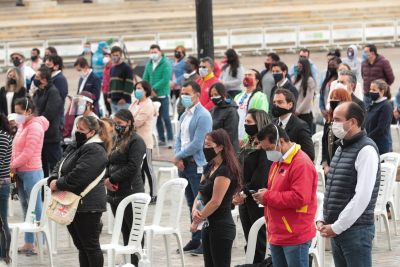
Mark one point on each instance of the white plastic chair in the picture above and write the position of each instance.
(317, 248)
(175, 115)
(386, 184)
(321, 178)
(28, 227)
(140, 203)
(236, 218)
(395, 132)
(174, 191)
(252, 240)
(394, 159)
(157, 106)
(317, 141)
(172, 171)
(110, 219)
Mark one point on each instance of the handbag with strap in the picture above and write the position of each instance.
(63, 204)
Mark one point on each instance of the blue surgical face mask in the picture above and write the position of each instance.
(187, 101)
(139, 94)
(364, 56)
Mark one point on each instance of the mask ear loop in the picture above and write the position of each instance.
(27, 104)
(277, 135)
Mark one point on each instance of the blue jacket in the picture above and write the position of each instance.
(97, 60)
(179, 70)
(200, 125)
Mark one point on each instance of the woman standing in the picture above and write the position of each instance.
(232, 73)
(27, 159)
(5, 157)
(255, 167)
(218, 184)
(13, 90)
(379, 116)
(178, 69)
(331, 75)
(143, 114)
(224, 114)
(329, 145)
(85, 160)
(306, 86)
(124, 169)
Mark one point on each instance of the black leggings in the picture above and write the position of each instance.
(217, 242)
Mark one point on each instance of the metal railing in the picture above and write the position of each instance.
(255, 40)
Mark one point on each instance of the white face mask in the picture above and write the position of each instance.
(338, 130)
(273, 155)
(203, 72)
(106, 60)
(19, 118)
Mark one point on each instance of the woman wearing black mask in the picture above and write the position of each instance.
(178, 69)
(328, 139)
(13, 90)
(232, 73)
(124, 176)
(224, 113)
(255, 174)
(330, 76)
(85, 160)
(221, 179)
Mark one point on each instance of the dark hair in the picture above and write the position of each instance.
(228, 154)
(125, 115)
(335, 53)
(146, 87)
(259, 78)
(221, 90)
(36, 50)
(45, 73)
(194, 61)
(330, 75)
(116, 49)
(355, 111)
(303, 49)
(289, 96)
(209, 60)
(195, 86)
(81, 62)
(52, 50)
(57, 60)
(155, 46)
(269, 132)
(25, 103)
(261, 117)
(281, 65)
(372, 48)
(4, 124)
(232, 61)
(275, 57)
(304, 75)
(100, 128)
(383, 86)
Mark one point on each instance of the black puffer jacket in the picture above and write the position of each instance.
(124, 167)
(81, 167)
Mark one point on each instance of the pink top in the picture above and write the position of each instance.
(143, 114)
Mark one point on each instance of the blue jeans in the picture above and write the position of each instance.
(5, 237)
(290, 256)
(29, 179)
(191, 190)
(115, 107)
(353, 247)
(163, 118)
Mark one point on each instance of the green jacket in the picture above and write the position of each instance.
(160, 77)
(258, 100)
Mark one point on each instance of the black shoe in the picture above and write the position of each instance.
(198, 251)
(190, 246)
(153, 200)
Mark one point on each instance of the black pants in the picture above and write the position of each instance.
(148, 170)
(107, 104)
(217, 240)
(249, 214)
(85, 232)
(309, 119)
(126, 223)
(51, 154)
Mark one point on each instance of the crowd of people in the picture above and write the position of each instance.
(244, 138)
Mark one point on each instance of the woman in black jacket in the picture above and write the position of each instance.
(255, 174)
(224, 114)
(124, 169)
(13, 90)
(83, 162)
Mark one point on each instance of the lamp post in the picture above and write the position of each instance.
(205, 30)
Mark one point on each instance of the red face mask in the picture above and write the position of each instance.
(248, 82)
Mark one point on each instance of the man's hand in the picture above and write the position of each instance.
(109, 100)
(320, 225)
(259, 196)
(109, 185)
(153, 93)
(396, 113)
(121, 102)
(326, 169)
(237, 200)
(179, 164)
(53, 185)
(326, 231)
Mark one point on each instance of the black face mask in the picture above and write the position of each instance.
(217, 100)
(80, 138)
(12, 81)
(334, 104)
(209, 153)
(332, 71)
(51, 69)
(16, 62)
(188, 68)
(267, 66)
(120, 129)
(36, 82)
(251, 129)
(178, 55)
(278, 111)
(33, 58)
(374, 96)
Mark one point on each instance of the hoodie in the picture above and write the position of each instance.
(27, 145)
(97, 60)
(354, 63)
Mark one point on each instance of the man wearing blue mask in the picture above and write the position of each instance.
(374, 67)
(290, 199)
(194, 124)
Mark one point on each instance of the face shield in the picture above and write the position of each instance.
(79, 105)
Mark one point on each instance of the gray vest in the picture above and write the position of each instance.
(342, 181)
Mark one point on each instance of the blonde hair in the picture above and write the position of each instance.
(18, 77)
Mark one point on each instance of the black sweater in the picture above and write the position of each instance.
(3, 99)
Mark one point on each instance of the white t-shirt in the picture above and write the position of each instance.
(9, 97)
(242, 110)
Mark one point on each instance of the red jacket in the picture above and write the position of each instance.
(105, 87)
(291, 200)
(205, 85)
(380, 69)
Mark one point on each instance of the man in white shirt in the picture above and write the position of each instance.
(351, 190)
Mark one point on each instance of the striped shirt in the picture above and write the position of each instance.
(5, 157)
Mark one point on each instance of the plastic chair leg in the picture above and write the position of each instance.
(394, 219)
(167, 250)
(47, 236)
(149, 245)
(14, 247)
(386, 223)
(180, 247)
(110, 219)
(53, 236)
(39, 242)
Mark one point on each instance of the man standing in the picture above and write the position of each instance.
(267, 79)
(87, 53)
(121, 82)
(18, 59)
(48, 103)
(304, 53)
(349, 81)
(35, 60)
(281, 81)
(290, 200)
(194, 124)
(158, 73)
(351, 190)
(374, 67)
(284, 105)
(55, 64)
(206, 80)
